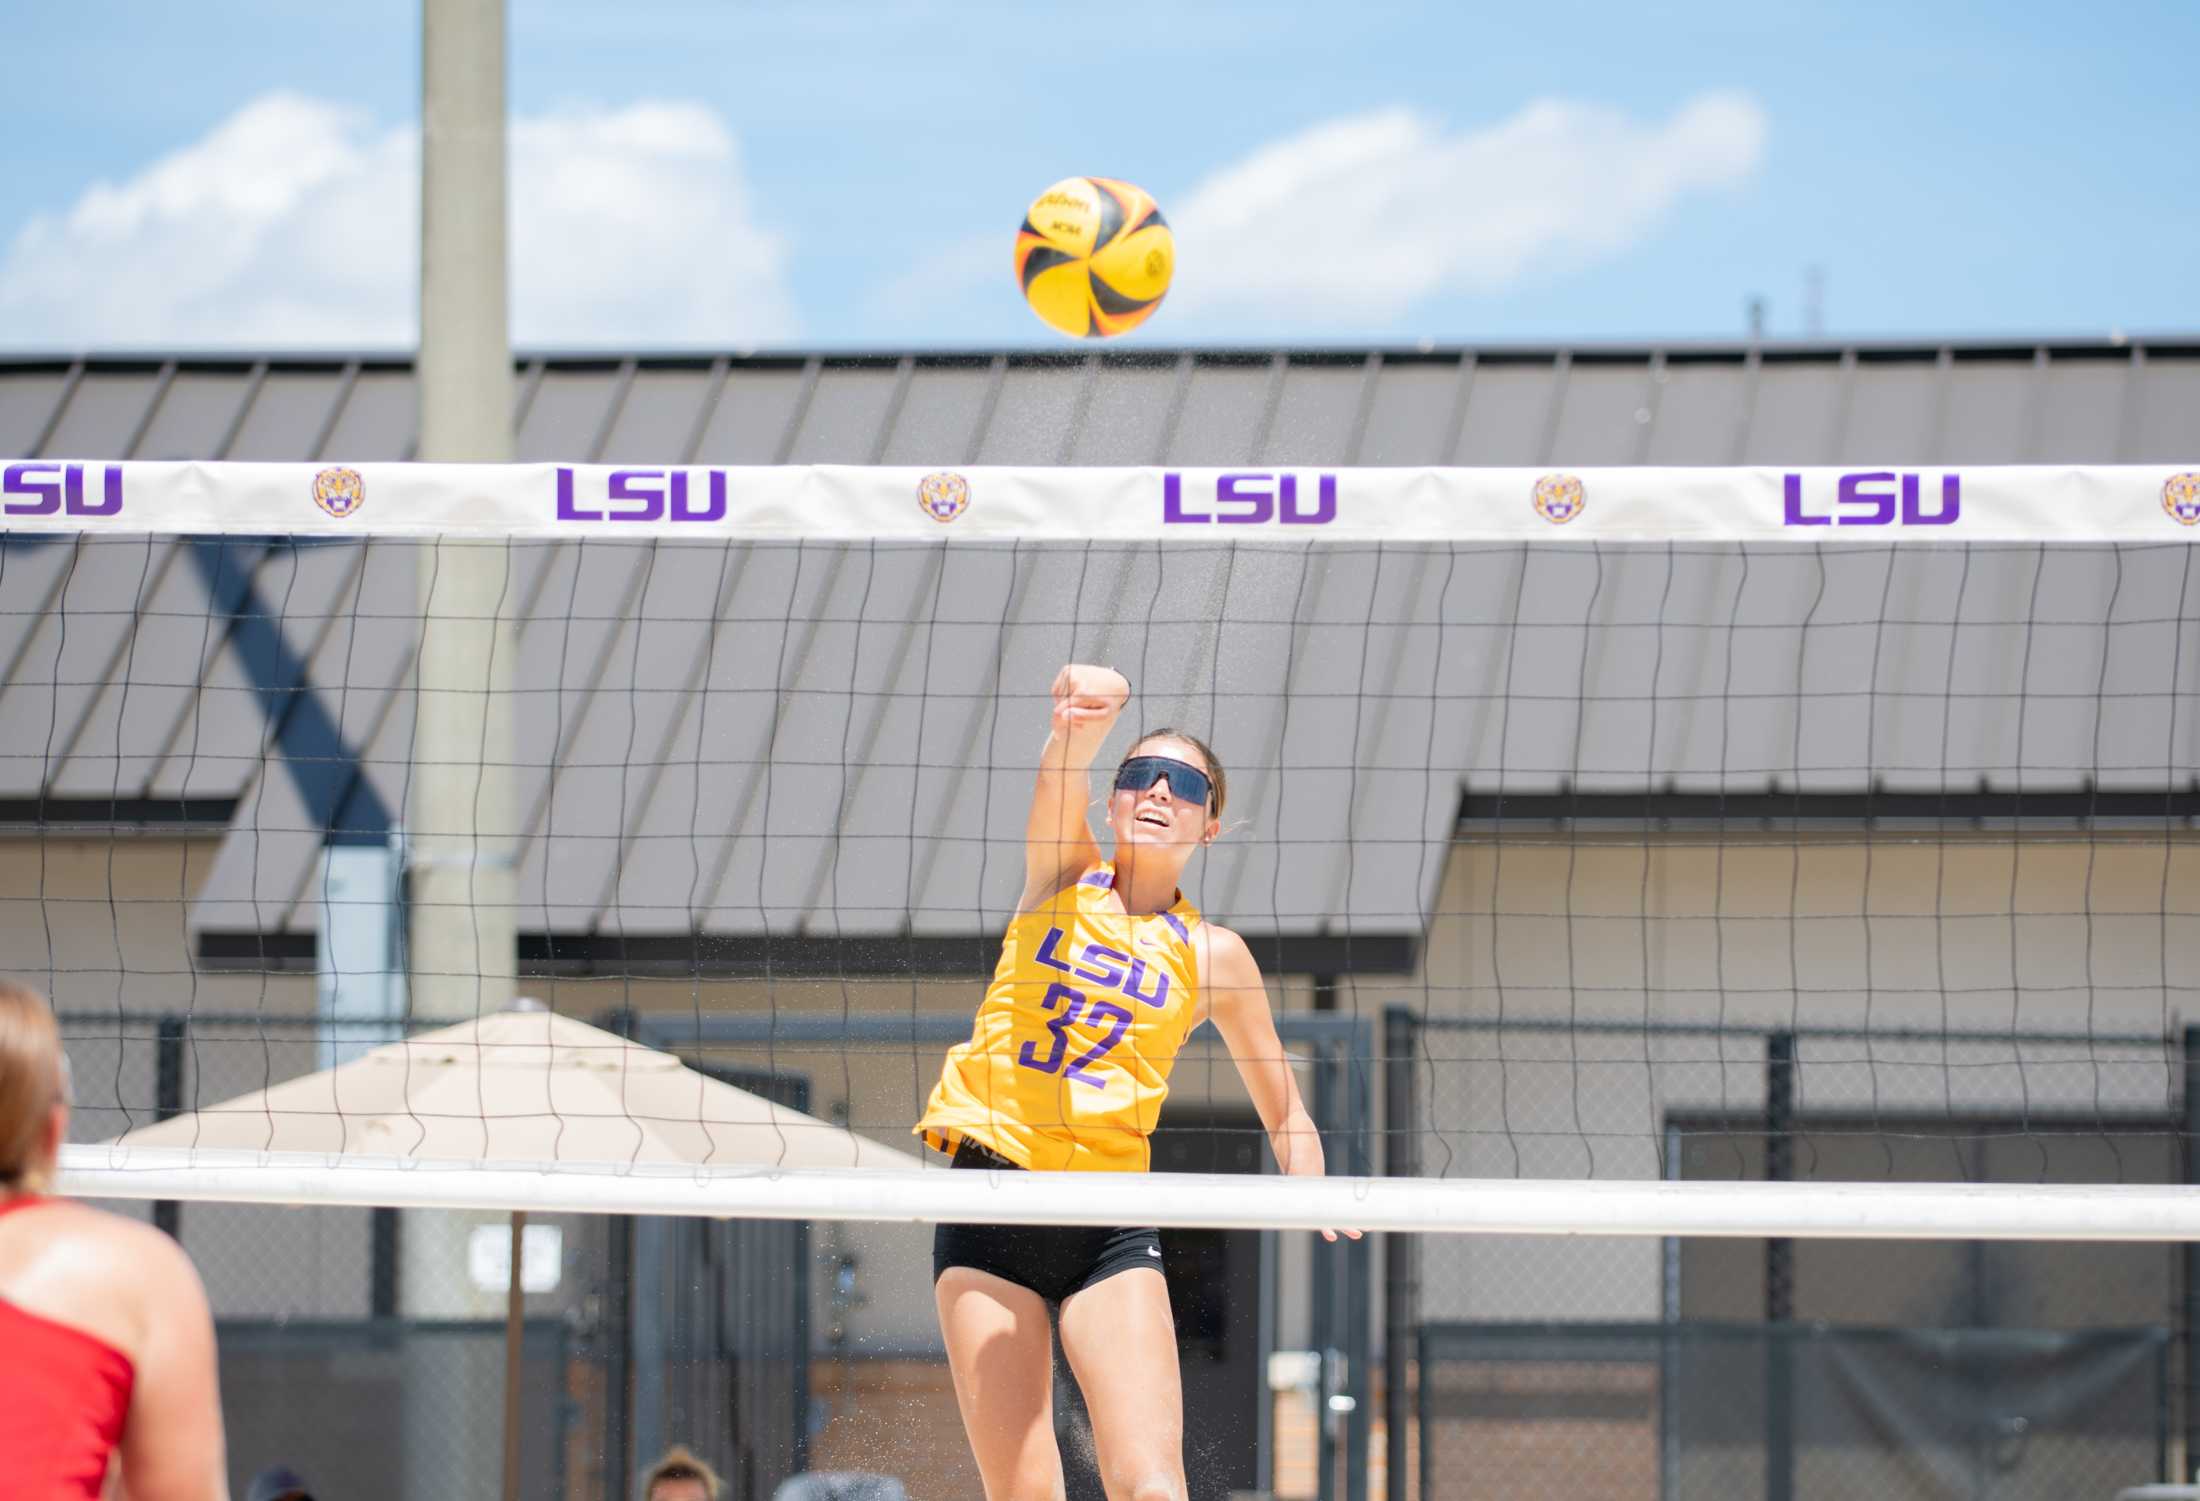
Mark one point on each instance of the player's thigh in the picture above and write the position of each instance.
(1001, 1353)
(1120, 1338)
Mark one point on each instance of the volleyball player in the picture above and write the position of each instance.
(109, 1345)
(1105, 969)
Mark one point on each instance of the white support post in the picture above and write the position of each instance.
(460, 821)
(360, 990)
(461, 938)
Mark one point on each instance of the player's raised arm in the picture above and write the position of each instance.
(1058, 842)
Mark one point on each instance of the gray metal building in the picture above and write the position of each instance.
(800, 740)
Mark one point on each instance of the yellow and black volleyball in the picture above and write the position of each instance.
(1094, 256)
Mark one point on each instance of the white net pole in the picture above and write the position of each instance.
(459, 816)
(463, 957)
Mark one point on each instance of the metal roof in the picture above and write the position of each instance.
(2102, 401)
(835, 740)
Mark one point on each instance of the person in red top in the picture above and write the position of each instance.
(110, 1347)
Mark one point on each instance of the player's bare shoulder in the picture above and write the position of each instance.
(1227, 968)
(123, 1252)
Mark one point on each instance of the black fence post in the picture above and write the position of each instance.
(616, 1325)
(167, 1104)
(1359, 1267)
(2189, 1332)
(1401, 1297)
(1421, 1405)
(1327, 1324)
(617, 1333)
(1343, 1278)
(1779, 1273)
(382, 1244)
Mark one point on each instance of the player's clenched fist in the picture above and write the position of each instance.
(1087, 699)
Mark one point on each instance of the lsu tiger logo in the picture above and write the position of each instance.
(1559, 498)
(339, 491)
(943, 496)
(2181, 498)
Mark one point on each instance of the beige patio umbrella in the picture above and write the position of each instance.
(522, 1085)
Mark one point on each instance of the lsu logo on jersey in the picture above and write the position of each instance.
(1097, 964)
(1106, 969)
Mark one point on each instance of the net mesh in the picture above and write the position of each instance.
(1618, 823)
(1681, 863)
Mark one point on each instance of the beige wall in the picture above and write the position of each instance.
(101, 922)
(1716, 927)
(1981, 933)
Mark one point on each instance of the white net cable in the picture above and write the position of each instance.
(2004, 1211)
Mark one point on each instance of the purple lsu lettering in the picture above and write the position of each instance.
(57, 489)
(1250, 500)
(1097, 964)
(1103, 966)
(1870, 499)
(644, 495)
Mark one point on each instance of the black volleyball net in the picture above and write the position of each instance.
(1653, 841)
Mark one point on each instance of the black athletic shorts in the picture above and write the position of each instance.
(1052, 1260)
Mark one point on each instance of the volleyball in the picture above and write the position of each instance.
(1094, 256)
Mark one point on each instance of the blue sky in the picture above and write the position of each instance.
(834, 175)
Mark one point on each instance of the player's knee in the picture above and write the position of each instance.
(1027, 1481)
(1150, 1483)
(1036, 1477)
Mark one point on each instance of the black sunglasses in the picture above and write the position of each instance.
(1187, 783)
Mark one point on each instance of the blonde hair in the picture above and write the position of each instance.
(30, 1083)
(680, 1463)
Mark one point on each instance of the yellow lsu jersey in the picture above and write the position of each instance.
(1068, 1062)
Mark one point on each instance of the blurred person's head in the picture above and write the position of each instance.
(278, 1483)
(680, 1476)
(34, 1090)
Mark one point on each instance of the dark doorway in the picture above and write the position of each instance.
(1216, 1291)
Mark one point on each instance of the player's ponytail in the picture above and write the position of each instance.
(30, 1083)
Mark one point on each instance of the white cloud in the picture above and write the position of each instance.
(974, 260)
(1360, 217)
(295, 223)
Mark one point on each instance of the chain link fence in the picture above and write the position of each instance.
(1808, 1412)
(1547, 1366)
(1579, 1367)
(367, 1348)
(767, 1347)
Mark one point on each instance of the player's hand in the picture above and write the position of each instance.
(1309, 1165)
(1086, 701)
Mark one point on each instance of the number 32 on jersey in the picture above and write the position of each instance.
(1102, 967)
